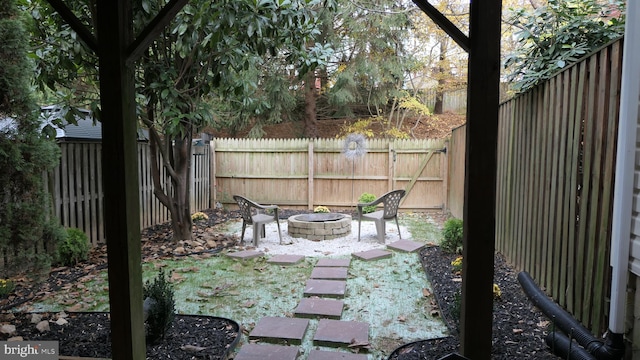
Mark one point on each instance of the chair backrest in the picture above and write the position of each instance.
(391, 201)
(245, 206)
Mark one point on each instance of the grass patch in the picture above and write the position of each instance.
(420, 228)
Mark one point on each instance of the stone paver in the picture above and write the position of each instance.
(280, 328)
(267, 352)
(246, 254)
(286, 259)
(373, 254)
(339, 333)
(334, 355)
(333, 263)
(329, 288)
(329, 273)
(314, 307)
(406, 245)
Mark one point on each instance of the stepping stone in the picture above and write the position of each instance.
(312, 307)
(373, 254)
(333, 263)
(271, 352)
(334, 355)
(406, 245)
(280, 328)
(329, 273)
(286, 259)
(330, 288)
(245, 254)
(339, 333)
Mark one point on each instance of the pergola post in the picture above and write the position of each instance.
(483, 95)
(120, 180)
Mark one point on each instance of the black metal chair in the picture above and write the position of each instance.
(257, 215)
(391, 203)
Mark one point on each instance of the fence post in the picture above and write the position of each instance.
(310, 189)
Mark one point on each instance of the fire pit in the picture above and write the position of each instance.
(319, 226)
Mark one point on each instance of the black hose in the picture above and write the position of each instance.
(612, 349)
(566, 348)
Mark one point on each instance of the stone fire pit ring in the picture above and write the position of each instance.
(319, 226)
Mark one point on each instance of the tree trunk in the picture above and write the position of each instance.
(310, 120)
(181, 219)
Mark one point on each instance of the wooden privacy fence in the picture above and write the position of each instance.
(456, 165)
(75, 187)
(556, 156)
(304, 173)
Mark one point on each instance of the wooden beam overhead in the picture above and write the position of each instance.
(81, 29)
(443, 22)
(154, 28)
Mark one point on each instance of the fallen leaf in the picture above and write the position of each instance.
(402, 318)
(176, 278)
(192, 348)
(517, 331)
(249, 304)
(426, 292)
(543, 323)
(434, 313)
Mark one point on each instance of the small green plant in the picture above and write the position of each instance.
(367, 198)
(497, 292)
(452, 236)
(6, 287)
(321, 209)
(74, 248)
(159, 307)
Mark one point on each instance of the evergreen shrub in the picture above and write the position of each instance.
(452, 236)
(159, 307)
(74, 247)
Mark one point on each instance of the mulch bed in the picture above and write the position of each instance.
(518, 328)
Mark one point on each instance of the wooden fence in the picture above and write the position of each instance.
(304, 173)
(556, 160)
(456, 165)
(75, 187)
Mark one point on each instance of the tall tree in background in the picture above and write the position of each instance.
(24, 152)
(553, 36)
(211, 60)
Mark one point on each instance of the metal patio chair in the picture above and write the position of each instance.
(391, 203)
(257, 215)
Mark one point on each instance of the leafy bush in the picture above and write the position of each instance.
(74, 248)
(452, 233)
(159, 307)
(367, 198)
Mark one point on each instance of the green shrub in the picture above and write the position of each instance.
(452, 236)
(74, 248)
(159, 307)
(53, 234)
(367, 198)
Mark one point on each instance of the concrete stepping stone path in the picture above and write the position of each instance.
(374, 254)
(329, 273)
(341, 333)
(333, 263)
(334, 355)
(285, 259)
(406, 245)
(280, 329)
(267, 352)
(328, 288)
(315, 307)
